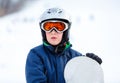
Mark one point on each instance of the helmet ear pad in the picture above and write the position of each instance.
(65, 37)
(43, 35)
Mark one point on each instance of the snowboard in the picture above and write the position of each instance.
(83, 69)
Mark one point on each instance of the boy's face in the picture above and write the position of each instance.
(53, 37)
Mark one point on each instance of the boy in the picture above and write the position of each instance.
(46, 63)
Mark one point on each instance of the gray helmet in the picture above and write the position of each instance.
(56, 14)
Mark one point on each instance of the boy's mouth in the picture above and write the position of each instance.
(53, 38)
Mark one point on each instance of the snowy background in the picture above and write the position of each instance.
(95, 28)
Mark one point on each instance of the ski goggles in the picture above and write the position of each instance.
(58, 26)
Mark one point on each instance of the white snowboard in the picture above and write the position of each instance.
(83, 69)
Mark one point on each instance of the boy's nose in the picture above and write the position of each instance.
(53, 31)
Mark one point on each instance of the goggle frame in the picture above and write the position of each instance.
(66, 26)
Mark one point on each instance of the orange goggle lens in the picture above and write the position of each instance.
(59, 26)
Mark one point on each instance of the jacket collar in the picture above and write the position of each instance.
(53, 49)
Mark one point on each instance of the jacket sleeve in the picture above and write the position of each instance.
(34, 69)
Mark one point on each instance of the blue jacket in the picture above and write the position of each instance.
(43, 65)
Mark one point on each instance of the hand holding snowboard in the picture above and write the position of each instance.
(95, 57)
(83, 69)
